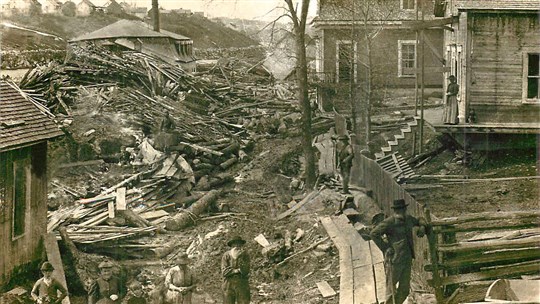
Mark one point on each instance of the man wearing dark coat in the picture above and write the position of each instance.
(107, 289)
(235, 271)
(345, 157)
(398, 250)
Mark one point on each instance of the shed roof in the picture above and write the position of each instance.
(21, 122)
(528, 5)
(128, 28)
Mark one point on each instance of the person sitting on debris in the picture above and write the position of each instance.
(179, 281)
(107, 289)
(167, 123)
(398, 250)
(135, 294)
(46, 289)
(345, 157)
(235, 271)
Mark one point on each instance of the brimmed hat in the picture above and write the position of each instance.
(46, 266)
(451, 77)
(399, 204)
(105, 264)
(236, 240)
(182, 258)
(343, 137)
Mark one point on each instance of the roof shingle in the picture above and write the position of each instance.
(21, 122)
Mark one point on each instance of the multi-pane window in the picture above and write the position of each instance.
(408, 4)
(345, 61)
(533, 76)
(407, 64)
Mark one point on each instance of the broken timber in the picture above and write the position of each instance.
(187, 218)
(306, 199)
(53, 257)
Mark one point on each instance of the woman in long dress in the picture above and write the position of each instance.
(179, 282)
(451, 109)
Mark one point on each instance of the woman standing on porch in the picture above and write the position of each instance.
(450, 114)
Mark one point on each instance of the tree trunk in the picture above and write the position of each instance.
(303, 99)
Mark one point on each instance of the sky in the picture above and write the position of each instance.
(245, 9)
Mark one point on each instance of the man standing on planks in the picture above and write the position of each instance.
(398, 249)
(345, 158)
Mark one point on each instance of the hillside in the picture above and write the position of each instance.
(205, 33)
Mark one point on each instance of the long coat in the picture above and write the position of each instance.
(235, 285)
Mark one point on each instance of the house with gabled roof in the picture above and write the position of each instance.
(493, 49)
(25, 128)
(85, 8)
(25, 7)
(114, 8)
(51, 6)
(130, 35)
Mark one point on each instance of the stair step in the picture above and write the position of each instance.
(406, 130)
(393, 142)
(386, 149)
(379, 155)
(399, 136)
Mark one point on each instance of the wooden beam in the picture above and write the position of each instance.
(419, 25)
(433, 48)
(490, 274)
(489, 245)
(484, 216)
(53, 257)
(483, 258)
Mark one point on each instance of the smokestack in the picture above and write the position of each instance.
(155, 14)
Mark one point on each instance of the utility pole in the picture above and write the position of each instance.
(422, 33)
(416, 4)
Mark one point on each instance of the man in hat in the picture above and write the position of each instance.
(179, 282)
(46, 289)
(235, 271)
(398, 249)
(450, 115)
(107, 289)
(345, 157)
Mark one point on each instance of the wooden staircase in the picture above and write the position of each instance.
(406, 131)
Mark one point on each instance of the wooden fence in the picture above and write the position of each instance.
(459, 250)
(482, 246)
(369, 174)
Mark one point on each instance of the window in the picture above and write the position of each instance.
(19, 197)
(531, 89)
(346, 61)
(408, 4)
(406, 57)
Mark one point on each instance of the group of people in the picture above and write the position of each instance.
(177, 288)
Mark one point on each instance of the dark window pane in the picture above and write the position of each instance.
(346, 59)
(532, 87)
(534, 64)
(19, 204)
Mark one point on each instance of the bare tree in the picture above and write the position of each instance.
(299, 19)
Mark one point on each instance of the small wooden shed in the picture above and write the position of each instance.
(25, 129)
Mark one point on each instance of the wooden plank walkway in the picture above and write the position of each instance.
(53, 256)
(358, 284)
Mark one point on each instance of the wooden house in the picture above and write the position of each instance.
(51, 6)
(25, 7)
(114, 8)
(373, 36)
(129, 35)
(85, 8)
(494, 51)
(24, 131)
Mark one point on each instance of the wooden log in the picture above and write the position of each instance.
(228, 163)
(491, 274)
(186, 219)
(490, 257)
(133, 218)
(75, 254)
(203, 149)
(233, 148)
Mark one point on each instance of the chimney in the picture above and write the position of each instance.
(155, 14)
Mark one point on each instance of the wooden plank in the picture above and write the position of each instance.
(325, 289)
(306, 199)
(53, 256)
(82, 163)
(490, 274)
(520, 254)
(490, 245)
(110, 209)
(121, 198)
(150, 215)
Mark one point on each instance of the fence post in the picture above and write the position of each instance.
(432, 241)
